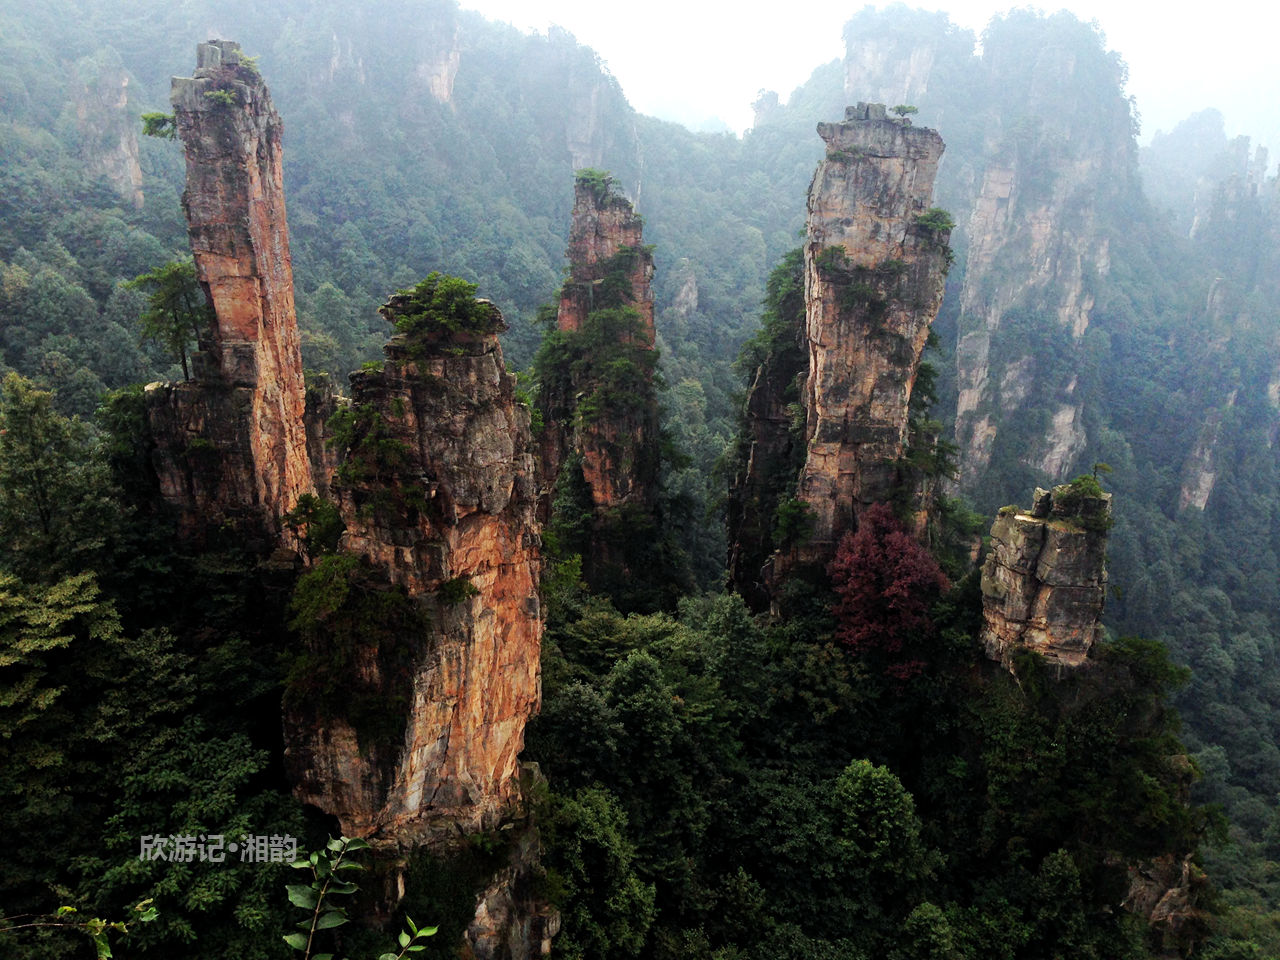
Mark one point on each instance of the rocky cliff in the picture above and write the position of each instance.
(828, 410)
(597, 395)
(435, 486)
(875, 260)
(1040, 152)
(1058, 153)
(231, 444)
(1044, 581)
(418, 619)
(771, 442)
(608, 263)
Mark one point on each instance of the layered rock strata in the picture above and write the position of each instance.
(405, 724)
(231, 444)
(436, 488)
(605, 225)
(1044, 581)
(875, 269)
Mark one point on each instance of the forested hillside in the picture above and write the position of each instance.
(816, 770)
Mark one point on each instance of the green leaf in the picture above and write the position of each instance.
(388, 956)
(104, 948)
(333, 918)
(413, 927)
(301, 896)
(349, 865)
(355, 843)
(335, 845)
(404, 939)
(428, 931)
(420, 947)
(300, 864)
(296, 940)
(340, 886)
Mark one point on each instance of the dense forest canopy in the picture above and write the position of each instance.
(828, 783)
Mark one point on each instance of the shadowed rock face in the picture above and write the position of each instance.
(246, 404)
(602, 425)
(874, 279)
(1044, 582)
(603, 224)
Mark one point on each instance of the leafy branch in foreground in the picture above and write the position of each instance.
(95, 928)
(325, 883)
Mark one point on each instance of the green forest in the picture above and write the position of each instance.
(831, 768)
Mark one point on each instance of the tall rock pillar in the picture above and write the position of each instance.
(875, 264)
(600, 446)
(248, 398)
(435, 486)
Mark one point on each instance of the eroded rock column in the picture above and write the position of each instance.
(875, 262)
(436, 488)
(232, 443)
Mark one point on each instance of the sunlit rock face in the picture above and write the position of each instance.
(449, 519)
(603, 224)
(1044, 581)
(874, 277)
(245, 407)
(433, 477)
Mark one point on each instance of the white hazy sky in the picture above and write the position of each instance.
(692, 60)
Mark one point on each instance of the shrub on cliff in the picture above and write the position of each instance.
(885, 582)
(441, 304)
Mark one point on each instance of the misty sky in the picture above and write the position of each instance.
(692, 60)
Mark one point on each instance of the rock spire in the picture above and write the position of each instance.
(246, 405)
(875, 258)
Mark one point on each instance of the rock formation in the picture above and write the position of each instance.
(771, 445)
(435, 485)
(1059, 153)
(108, 128)
(874, 278)
(875, 261)
(1044, 581)
(600, 439)
(608, 263)
(231, 444)
(419, 619)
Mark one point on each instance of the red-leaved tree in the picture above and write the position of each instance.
(885, 582)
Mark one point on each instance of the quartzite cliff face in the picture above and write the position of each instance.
(1044, 581)
(597, 394)
(875, 262)
(436, 489)
(432, 467)
(231, 444)
(874, 277)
